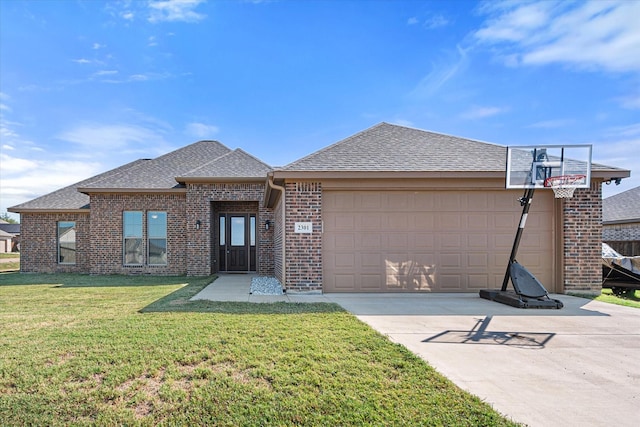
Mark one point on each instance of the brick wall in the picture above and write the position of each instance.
(582, 229)
(303, 251)
(199, 201)
(39, 247)
(106, 230)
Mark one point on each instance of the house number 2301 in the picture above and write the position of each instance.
(304, 227)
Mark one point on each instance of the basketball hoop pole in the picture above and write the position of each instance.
(525, 201)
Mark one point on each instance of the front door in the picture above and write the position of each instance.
(237, 242)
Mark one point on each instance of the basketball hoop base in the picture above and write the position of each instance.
(519, 301)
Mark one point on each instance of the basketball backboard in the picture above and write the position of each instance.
(530, 166)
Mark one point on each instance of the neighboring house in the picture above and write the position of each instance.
(390, 209)
(621, 222)
(9, 237)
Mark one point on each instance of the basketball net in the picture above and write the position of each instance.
(563, 186)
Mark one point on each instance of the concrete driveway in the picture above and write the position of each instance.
(578, 366)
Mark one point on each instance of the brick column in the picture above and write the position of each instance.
(582, 227)
(303, 251)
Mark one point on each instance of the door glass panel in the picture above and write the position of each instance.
(237, 231)
(223, 230)
(252, 223)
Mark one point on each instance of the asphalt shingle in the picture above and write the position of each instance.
(622, 207)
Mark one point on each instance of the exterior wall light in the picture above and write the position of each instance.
(198, 223)
(267, 224)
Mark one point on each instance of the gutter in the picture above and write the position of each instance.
(284, 228)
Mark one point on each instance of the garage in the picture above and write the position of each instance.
(432, 241)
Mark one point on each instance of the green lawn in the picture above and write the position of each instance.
(10, 266)
(630, 298)
(79, 350)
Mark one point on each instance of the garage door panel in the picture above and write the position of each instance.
(477, 241)
(438, 241)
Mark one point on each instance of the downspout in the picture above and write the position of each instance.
(284, 228)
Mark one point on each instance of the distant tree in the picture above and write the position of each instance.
(5, 216)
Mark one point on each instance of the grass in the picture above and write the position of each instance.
(10, 266)
(82, 350)
(629, 298)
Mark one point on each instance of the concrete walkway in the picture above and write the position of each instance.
(577, 366)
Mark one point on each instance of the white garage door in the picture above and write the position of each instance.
(431, 241)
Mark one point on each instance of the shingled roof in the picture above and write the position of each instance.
(160, 173)
(393, 148)
(68, 198)
(203, 159)
(236, 164)
(622, 208)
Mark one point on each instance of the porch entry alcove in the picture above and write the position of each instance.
(234, 236)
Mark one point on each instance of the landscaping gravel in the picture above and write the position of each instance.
(265, 286)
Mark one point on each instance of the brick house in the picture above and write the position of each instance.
(621, 222)
(390, 209)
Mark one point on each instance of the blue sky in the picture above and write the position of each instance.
(86, 86)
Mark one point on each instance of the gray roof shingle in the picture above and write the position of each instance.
(201, 159)
(68, 198)
(393, 148)
(235, 164)
(160, 173)
(622, 207)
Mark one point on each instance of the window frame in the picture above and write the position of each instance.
(158, 237)
(59, 242)
(140, 238)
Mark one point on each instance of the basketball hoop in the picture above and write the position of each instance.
(563, 186)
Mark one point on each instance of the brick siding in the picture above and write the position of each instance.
(303, 251)
(582, 230)
(201, 201)
(39, 247)
(624, 238)
(106, 251)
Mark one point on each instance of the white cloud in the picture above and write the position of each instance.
(435, 21)
(432, 22)
(630, 102)
(81, 61)
(5, 107)
(479, 112)
(201, 130)
(441, 74)
(601, 35)
(174, 11)
(7, 147)
(97, 46)
(110, 137)
(552, 124)
(25, 179)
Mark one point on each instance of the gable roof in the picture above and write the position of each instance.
(235, 165)
(393, 148)
(621, 208)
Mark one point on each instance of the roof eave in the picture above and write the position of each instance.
(283, 174)
(88, 190)
(208, 179)
(48, 210)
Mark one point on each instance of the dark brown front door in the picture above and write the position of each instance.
(237, 242)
